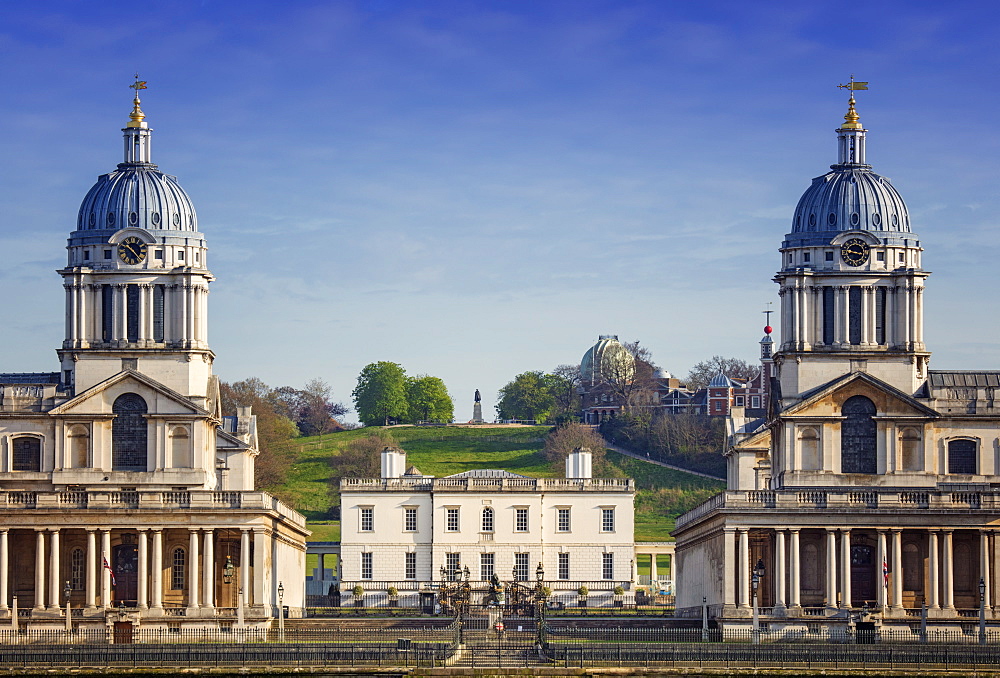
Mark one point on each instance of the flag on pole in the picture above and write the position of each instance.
(108, 568)
(885, 573)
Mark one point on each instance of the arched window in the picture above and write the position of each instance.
(178, 561)
(79, 446)
(180, 444)
(76, 563)
(858, 436)
(809, 447)
(128, 433)
(909, 447)
(962, 456)
(27, 454)
(487, 519)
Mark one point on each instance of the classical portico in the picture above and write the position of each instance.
(121, 478)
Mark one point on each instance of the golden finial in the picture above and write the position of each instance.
(137, 117)
(851, 120)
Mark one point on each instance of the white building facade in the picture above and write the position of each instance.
(120, 481)
(871, 484)
(409, 531)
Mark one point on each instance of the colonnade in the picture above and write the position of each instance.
(200, 563)
(802, 315)
(183, 313)
(784, 569)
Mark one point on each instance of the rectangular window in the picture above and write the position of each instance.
(754, 401)
(86, 255)
(880, 256)
(564, 566)
(486, 566)
(607, 520)
(451, 523)
(608, 566)
(854, 314)
(158, 254)
(159, 295)
(521, 566)
(107, 254)
(805, 257)
(452, 566)
(410, 519)
(107, 313)
(178, 565)
(902, 257)
(880, 297)
(521, 520)
(180, 255)
(829, 256)
(829, 315)
(366, 565)
(739, 401)
(132, 312)
(410, 566)
(367, 519)
(562, 520)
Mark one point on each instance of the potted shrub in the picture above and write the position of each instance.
(619, 593)
(393, 596)
(546, 592)
(583, 592)
(359, 594)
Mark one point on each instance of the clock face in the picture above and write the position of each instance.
(131, 250)
(854, 252)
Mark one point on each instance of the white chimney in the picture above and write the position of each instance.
(393, 462)
(579, 464)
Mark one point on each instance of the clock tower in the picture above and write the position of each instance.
(851, 282)
(136, 278)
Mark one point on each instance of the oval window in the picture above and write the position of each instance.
(855, 219)
(812, 219)
(133, 218)
(895, 220)
(156, 217)
(177, 220)
(877, 219)
(111, 218)
(832, 219)
(93, 219)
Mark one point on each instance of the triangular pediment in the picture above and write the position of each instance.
(828, 399)
(99, 398)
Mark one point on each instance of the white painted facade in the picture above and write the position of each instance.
(123, 456)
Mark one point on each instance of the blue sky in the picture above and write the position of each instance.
(476, 189)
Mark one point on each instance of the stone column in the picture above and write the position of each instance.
(845, 568)
(984, 565)
(91, 569)
(933, 577)
(245, 567)
(870, 335)
(882, 558)
(728, 578)
(795, 567)
(918, 316)
(948, 572)
(40, 570)
(994, 547)
(157, 583)
(143, 574)
(121, 313)
(193, 572)
(897, 570)
(779, 571)
(744, 569)
(208, 570)
(4, 571)
(831, 568)
(260, 561)
(54, 585)
(105, 573)
(652, 567)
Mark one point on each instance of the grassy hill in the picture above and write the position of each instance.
(662, 494)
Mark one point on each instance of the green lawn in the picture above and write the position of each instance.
(662, 493)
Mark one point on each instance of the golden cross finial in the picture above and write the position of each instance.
(851, 120)
(136, 117)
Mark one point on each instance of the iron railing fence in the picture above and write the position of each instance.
(343, 634)
(559, 634)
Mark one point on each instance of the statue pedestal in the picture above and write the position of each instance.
(477, 413)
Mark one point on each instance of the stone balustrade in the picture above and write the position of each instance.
(490, 484)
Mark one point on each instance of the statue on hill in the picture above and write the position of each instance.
(477, 409)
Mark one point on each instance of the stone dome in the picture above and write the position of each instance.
(607, 360)
(851, 199)
(137, 195)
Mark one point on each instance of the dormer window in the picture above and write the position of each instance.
(805, 257)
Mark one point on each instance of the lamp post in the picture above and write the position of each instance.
(540, 606)
(281, 611)
(67, 590)
(982, 611)
(758, 573)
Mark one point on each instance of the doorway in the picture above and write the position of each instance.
(862, 573)
(125, 564)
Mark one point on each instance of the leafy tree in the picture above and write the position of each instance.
(564, 439)
(380, 394)
(564, 383)
(311, 408)
(527, 397)
(702, 372)
(427, 399)
(274, 430)
(361, 458)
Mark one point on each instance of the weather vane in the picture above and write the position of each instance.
(138, 84)
(851, 86)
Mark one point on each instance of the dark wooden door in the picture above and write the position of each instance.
(862, 574)
(123, 632)
(126, 567)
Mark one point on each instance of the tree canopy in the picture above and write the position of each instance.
(526, 397)
(427, 399)
(380, 395)
(736, 368)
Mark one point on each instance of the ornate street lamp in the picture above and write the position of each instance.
(982, 611)
(228, 570)
(758, 574)
(67, 590)
(281, 611)
(540, 607)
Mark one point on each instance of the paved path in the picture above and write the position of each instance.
(642, 457)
